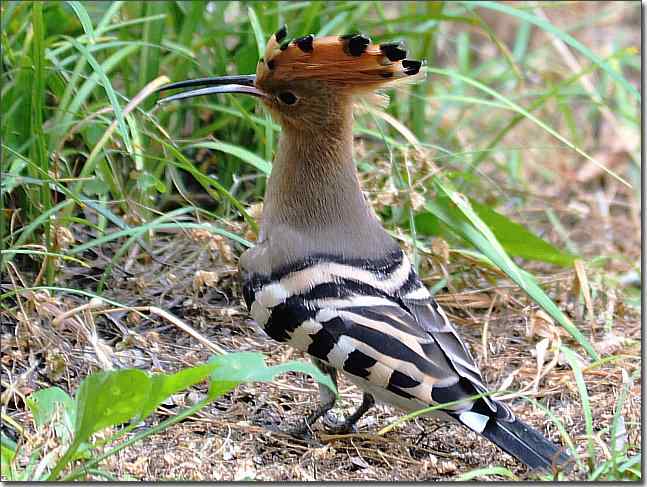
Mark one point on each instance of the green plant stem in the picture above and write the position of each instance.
(39, 150)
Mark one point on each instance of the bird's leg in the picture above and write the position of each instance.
(333, 425)
(327, 401)
(348, 425)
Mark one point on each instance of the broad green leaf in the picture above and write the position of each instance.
(45, 403)
(514, 238)
(236, 368)
(429, 224)
(8, 449)
(461, 218)
(109, 398)
(518, 241)
(165, 385)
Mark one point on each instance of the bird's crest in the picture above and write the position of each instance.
(351, 61)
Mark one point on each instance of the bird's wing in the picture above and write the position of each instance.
(430, 317)
(391, 347)
(375, 321)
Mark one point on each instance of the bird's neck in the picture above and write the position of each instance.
(313, 180)
(314, 191)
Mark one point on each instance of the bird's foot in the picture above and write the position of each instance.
(348, 425)
(335, 426)
(301, 431)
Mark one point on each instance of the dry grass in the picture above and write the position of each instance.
(229, 439)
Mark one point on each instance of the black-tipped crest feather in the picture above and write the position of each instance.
(349, 61)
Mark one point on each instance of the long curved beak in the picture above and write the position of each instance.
(213, 85)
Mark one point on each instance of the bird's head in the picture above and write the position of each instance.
(306, 81)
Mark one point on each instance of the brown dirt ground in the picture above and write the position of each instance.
(228, 439)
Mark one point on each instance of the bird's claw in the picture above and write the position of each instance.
(335, 426)
(302, 432)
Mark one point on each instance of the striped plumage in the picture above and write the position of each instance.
(373, 320)
(324, 276)
(377, 323)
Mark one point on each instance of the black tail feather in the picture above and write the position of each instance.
(525, 444)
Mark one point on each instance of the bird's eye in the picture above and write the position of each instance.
(288, 98)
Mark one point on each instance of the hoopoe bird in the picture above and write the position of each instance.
(324, 276)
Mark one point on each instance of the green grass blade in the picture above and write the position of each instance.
(259, 35)
(568, 39)
(46, 254)
(536, 104)
(560, 427)
(150, 56)
(463, 220)
(243, 154)
(110, 92)
(586, 403)
(528, 115)
(38, 97)
(158, 226)
(110, 14)
(616, 422)
(209, 182)
(84, 18)
(39, 147)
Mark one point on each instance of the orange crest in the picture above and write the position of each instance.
(350, 60)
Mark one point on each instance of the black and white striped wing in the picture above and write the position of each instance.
(376, 322)
(432, 319)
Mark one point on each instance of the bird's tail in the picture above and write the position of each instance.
(525, 444)
(513, 436)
